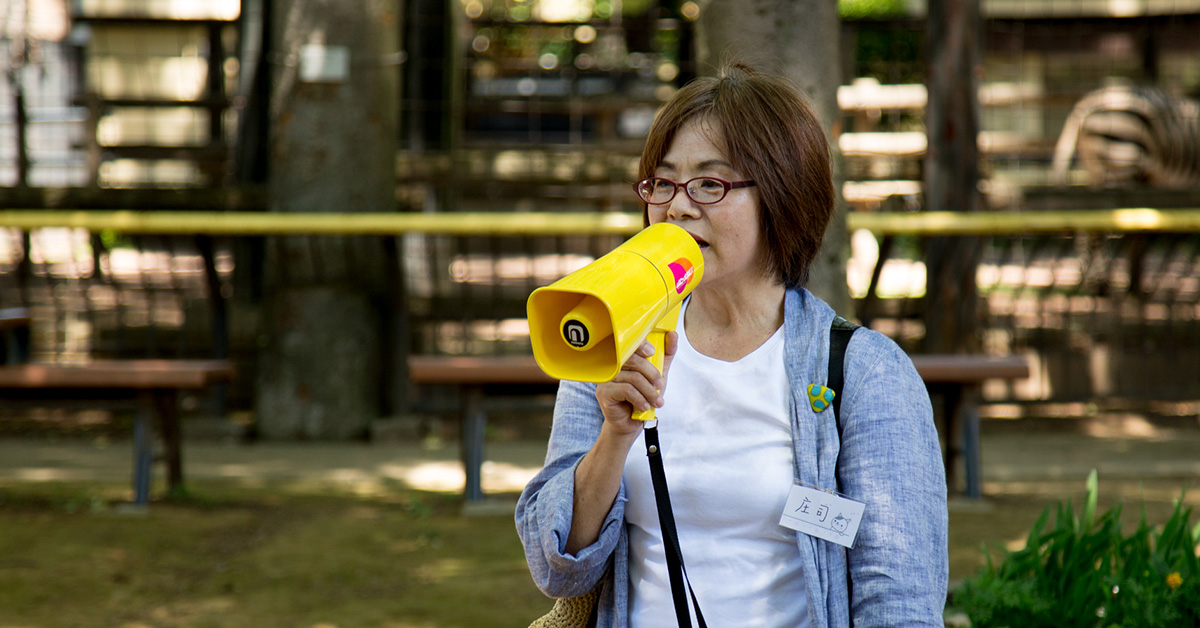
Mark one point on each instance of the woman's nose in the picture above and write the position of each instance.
(682, 206)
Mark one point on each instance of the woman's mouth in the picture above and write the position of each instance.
(699, 241)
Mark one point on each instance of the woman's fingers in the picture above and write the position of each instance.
(636, 387)
(640, 363)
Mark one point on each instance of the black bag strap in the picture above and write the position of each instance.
(840, 332)
(666, 519)
(839, 338)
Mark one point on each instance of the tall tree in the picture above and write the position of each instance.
(798, 39)
(954, 56)
(333, 110)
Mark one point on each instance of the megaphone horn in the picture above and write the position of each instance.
(584, 326)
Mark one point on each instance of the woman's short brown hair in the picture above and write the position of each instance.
(770, 135)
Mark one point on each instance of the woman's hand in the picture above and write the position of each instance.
(638, 386)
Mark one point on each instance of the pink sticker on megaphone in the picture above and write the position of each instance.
(683, 271)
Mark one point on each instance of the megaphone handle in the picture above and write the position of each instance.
(657, 338)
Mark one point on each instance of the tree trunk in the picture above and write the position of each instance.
(953, 64)
(798, 39)
(332, 148)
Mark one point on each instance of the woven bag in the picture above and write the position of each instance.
(571, 612)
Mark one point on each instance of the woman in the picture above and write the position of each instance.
(742, 163)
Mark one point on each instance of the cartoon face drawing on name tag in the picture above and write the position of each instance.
(822, 514)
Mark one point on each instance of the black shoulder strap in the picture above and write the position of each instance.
(666, 520)
(839, 338)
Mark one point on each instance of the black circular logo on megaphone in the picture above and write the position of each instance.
(576, 334)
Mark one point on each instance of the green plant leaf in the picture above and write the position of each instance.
(1083, 563)
(1093, 491)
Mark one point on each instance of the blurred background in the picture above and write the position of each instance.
(516, 106)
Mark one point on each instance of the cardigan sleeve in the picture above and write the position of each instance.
(544, 510)
(891, 460)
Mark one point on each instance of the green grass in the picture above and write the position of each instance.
(229, 557)
(312, 555)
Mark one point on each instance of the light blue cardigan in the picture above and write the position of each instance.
(890, 459)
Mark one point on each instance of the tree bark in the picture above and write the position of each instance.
(800, 40)
(953, 64)
(332, 148)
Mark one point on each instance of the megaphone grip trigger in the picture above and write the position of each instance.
(658, 339)
(644, 415)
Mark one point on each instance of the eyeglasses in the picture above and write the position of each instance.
(702, 190)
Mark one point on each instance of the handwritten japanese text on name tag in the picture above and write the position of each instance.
(823, 514)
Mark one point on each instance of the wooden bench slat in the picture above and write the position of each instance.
(968, 369)
(128, 374)
(432, 369)
(466, 370)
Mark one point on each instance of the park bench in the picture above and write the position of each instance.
(954, 379)
(153, 385)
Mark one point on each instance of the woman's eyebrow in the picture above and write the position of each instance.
(704, 165)
(715, 163)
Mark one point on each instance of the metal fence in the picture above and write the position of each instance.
(1106, 319)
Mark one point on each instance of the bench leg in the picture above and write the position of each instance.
(474, 423)
(167, 406)
(961, 432)
(971, 460)
(143, 448)
(951, 398)
(159, 408)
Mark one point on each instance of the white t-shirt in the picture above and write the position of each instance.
(726, 440)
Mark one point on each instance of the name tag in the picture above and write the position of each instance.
(823, 514)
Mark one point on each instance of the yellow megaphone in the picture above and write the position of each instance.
(584, 326)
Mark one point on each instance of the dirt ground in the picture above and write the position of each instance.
(1027, 465)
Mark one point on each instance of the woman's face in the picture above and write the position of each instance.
(727, 231)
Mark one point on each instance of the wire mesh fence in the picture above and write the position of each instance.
(1103, 318)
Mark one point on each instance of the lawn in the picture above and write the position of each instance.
(233, 557)
(287, 554)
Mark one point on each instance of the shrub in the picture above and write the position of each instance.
(1085, 572)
